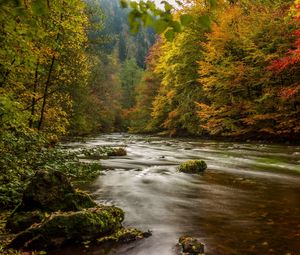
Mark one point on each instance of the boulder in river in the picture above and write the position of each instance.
(103, 152)
(190, 246)
(47, 192)
(66, 227)
(51, 191)
(52, 214)
(193, 167)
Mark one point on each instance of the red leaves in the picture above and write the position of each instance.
(293, 55)
(283, 63)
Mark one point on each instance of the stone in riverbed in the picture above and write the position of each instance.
(51, 191)
(125, 235)
(47, 192)
(65, 227)
(193, 167)
(190, 246)
(97, 153)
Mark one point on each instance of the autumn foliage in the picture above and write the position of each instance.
(240, 78)
(292, 57)
(291, 60)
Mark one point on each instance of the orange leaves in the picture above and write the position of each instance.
(287, 93)
(216, 83)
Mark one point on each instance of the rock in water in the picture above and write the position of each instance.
(52, 213)
(190, 246)
(65, 227)
(124, 235)
(47, 192)
(51, 191)
(193, 167)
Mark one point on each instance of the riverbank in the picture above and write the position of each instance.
(53, 214)
(253, 138)
(72, 163)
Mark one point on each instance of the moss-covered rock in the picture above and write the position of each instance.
(65, 227)
(117, 152)
(52, 191)
(101, 152)
(19, 221)
(193, 167)
(52, 213)
(190, 246)
(48, 191)
(124, 235)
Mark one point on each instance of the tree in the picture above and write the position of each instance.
(146, 90)
(130, 76)
(174, 109)
(290, 62)
(243, 96)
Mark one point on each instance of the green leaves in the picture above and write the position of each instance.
(170, 34)
(168, 7)
(39, 7)
(186, 19)
(205, 21)
(213, 3)
(146, 13)
(160, 26)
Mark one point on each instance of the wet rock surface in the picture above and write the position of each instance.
(190, 246)
(66, 227)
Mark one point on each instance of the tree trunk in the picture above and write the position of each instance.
(33, 101)
(46, 93)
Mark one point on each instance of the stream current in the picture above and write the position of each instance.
(247, 201)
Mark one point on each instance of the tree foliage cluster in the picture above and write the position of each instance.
(42, 55)
(237, 77)
(61, 66)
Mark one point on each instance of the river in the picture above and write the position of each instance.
(247, 202)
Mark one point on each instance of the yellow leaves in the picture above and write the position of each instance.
(56, 121)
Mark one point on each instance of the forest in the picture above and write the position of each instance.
(223, 70)
(239, 77)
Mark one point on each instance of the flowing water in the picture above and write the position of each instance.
(247, 202)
